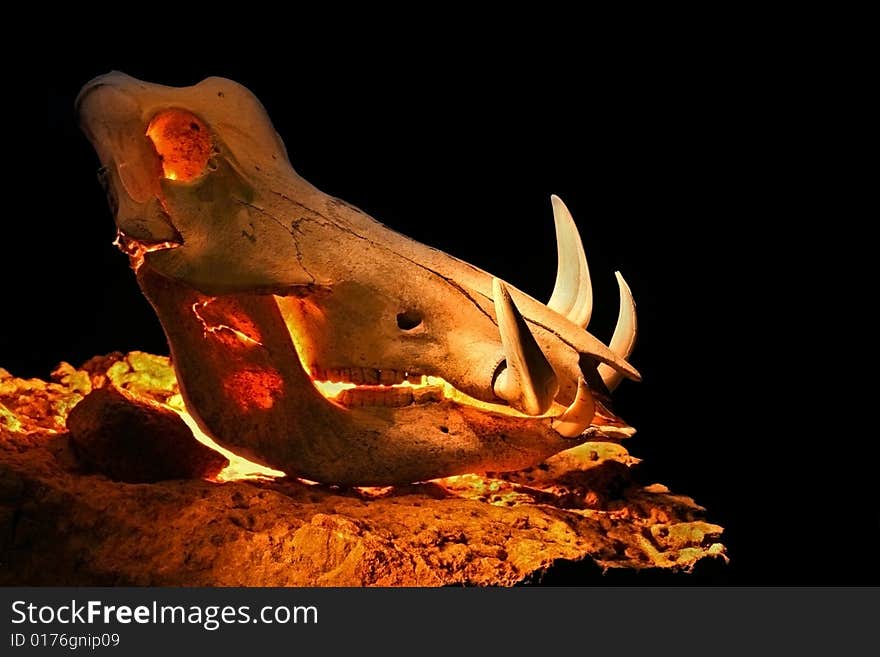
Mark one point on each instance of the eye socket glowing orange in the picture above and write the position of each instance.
(183, 143)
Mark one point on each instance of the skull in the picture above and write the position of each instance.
(311, 338)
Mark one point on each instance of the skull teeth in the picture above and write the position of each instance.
(366, 376)
(388, 396)
(357, 387)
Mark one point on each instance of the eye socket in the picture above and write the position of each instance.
(183, 143)
(408, 320)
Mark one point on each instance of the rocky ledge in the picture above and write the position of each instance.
(101, 484)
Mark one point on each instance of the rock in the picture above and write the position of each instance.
(135, 440)
(62, 526)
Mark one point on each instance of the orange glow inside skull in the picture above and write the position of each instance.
(183, 143)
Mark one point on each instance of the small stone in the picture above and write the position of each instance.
(137, 441)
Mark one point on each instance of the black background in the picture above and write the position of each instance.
(676, 162)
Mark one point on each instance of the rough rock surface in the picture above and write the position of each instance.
(135, 440)
(63, 524)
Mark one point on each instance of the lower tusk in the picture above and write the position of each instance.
(528, 383)
(577, 417)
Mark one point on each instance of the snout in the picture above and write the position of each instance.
(91, 85)
(115, 122)
(106, 99)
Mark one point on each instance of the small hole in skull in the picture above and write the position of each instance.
(444, 428)
(409, 319)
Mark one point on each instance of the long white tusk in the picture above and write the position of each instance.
(573, 292)
(624, 338)
(579, 415)
(528, 383)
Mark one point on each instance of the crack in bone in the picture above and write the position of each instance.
(210, 328)
(329, 222)
(290, 231)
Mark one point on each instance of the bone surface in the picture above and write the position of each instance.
(272, 293)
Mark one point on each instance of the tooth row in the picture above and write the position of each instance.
(363, 376)
(357, 397)
(381, 396)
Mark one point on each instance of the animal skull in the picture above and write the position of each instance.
(266, 287)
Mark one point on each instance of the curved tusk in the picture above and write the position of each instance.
(573, 292)
(528, 383)
(577, 417)
(624, 338)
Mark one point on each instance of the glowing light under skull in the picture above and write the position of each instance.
(239, 467)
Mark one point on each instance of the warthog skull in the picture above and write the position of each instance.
(309, 337)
